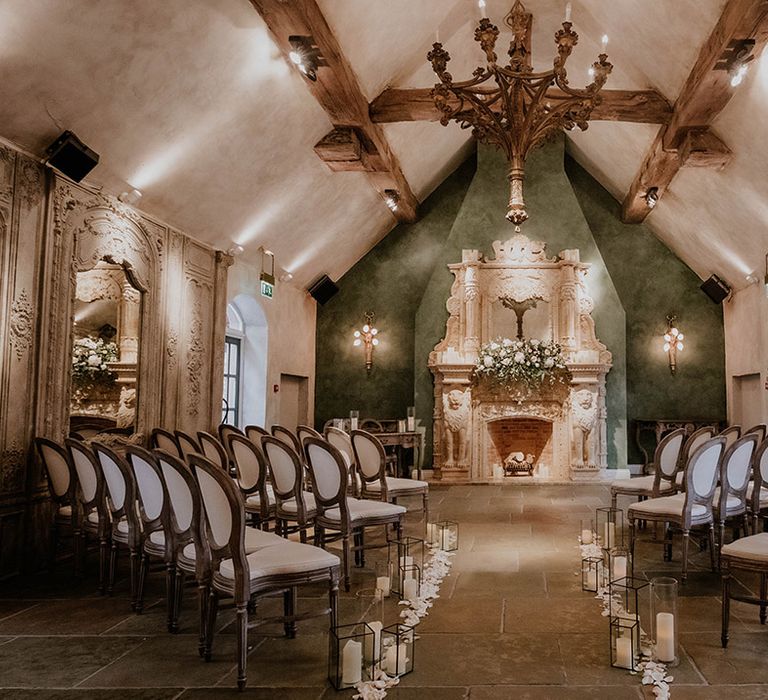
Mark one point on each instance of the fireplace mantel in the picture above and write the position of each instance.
(520, 274)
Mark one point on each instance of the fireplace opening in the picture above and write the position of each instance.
(519, 445)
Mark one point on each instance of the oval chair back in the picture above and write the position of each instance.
(284, 466)
(730, 434)
(164, 440)
(287, 436)
(667, 459)
(701, 480)
(89, 477)
(251, 471)
(691, 444)
(183, 508)
(152, 496)
(59, 471)
(759, 429)
(370, 458)
(121, 492)
(305, 431)
(225, 430)
(329, 476)
(212, 449)
(223, 518)
(760, 473)
(735, 472)
(187, 444)
(254, 432)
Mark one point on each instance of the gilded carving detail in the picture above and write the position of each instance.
(30, 183)
(21, 323)
(195, 358)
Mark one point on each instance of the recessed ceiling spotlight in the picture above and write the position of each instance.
(652, 197)
(305, 56)
(392, 197)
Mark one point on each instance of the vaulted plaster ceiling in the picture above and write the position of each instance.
(191, 102)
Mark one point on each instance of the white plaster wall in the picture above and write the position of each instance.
(746, 342)
(291, 316)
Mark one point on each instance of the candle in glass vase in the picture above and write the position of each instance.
(382, 584)
(619, 566)
(405, 563)
(352, 662)
(609, 536)
(411, 589)
(586, 535)
(373, 644)
(624, 652)
(393, 665)
(665, 637)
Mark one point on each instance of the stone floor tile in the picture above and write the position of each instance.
(557, 616)
(553, 692)
(741, 662)
(90, 694)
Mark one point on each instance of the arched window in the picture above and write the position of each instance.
(233, 366)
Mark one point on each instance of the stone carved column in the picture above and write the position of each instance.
(129, 311)
(569, 311)
(437, 428)
(472, 308)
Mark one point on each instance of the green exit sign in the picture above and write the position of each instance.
(267, 289)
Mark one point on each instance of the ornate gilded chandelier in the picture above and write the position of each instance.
(519, 112)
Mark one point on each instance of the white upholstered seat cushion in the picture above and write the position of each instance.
(122, 526)
(309, 504)
(752, 547)
(672, 505)
(289, 558)
(397, 484)
(641, 483)
(254, 540)
(763, 494)
(679, 478)
(731, 503)
(254, 501)
(360, 509)
(157, 537)
(65, 512)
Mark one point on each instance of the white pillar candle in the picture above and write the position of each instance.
(411, 423)
(373, 645)
(382, 584)
(609, 535)
(411, 589)
(586, 536)
(498, 472)
(352, 662)
(353, 423)
(568, 8)
(665, 637)
(405, 563)
(393, 665)
(624, 652)
(619, 567)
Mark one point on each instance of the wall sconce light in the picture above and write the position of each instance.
(305, 55)
(673, 343)
(652, 197)
(392, 197)
(367, 338)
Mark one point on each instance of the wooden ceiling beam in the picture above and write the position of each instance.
(687, 139)
(416, 104)
(338, 93)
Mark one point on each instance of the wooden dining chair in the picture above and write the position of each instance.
(295, 508)
(212, 449)
(731, 434)
(685, 511)
(62, 487)
(759, 430)
(371, 461)
(252, 479)
(225, 430)
(126, 527)
(287, 436)
(757, 492)
(187, 444)
(304, 431)
(161, 439)
(93, 511)
(346, 517)
(341, 440)
(254, 432)
(691, 444)
(245, 577)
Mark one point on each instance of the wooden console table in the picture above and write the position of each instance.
(660, 427)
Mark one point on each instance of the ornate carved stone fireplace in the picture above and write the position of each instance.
(519, 293)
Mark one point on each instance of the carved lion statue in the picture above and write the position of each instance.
(456, 420)
(584, 418)
(126, 411)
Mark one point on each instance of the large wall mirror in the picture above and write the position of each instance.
(106, 337)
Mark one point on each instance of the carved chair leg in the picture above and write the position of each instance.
(112, 568)
(333, 601)
(170, 593)
(746, 525)
(289, 610)
(303, 535)
(726, 593)
(202, 603)
(210, 622)
(425, 505)
(632, 544)
(712, 561)
(103, 556)
(686, 542)
(54, 543)
(763, 596)
(78, 538)
(362, 546)
(242, 644)
(139, 584)
(178, 596)
(345, 560)
(720, 539)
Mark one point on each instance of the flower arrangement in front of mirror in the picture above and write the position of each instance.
(90, 362)
(523, 366)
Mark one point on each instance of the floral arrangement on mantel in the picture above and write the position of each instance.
(523, 366)
(90, 358)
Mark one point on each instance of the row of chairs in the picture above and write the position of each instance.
(722, 482)
(275, 475)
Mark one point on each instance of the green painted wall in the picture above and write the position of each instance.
(652, 283)
(556, 219)
(405, 281)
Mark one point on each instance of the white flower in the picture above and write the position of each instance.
(94, 361)
(519, 357)
(506, 342)
(549, 362)
(488, 361)
(506, 361)
(494, 346)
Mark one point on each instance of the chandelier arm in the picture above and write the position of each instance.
(540, 95)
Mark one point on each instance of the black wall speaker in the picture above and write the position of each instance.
(323, 289)
(716, 289)
(69, 155)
